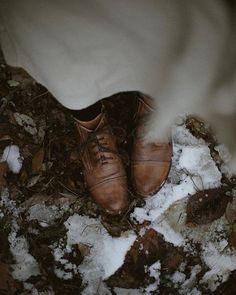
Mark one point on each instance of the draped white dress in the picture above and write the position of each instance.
(172, 50)
(84, 50)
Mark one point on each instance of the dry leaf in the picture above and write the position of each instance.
(84, 249)
(33, 181)
(37, 161)
(3, 172)
(206, 206)
(7, 284)
(23, 176)
(5, 137)
(26, 122)
(4, 132)
(74, 156)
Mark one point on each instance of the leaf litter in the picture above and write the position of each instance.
(55, 240)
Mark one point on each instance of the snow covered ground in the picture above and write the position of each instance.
(193, 169)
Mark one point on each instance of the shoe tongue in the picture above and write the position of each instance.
(92, 124)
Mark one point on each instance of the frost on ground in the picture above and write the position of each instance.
(102, 255)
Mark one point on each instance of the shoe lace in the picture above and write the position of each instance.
(98, 144)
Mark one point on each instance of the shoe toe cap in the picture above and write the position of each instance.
(112, 196)
(148, 178)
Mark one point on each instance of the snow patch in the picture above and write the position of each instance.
(25, 266)
(182, 136)
(198, 162)
(107, 253)
(11, 155)
(169, 234)
(178, 278)
(122, 291)
(221, 265)
(154, 272)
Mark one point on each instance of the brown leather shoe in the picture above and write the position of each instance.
(150, 162)
(104, 172)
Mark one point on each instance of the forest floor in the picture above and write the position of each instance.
(55, 240)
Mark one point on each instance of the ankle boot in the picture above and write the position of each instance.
(104, 171)
(150, 162)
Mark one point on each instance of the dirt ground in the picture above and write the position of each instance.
(52, 173)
